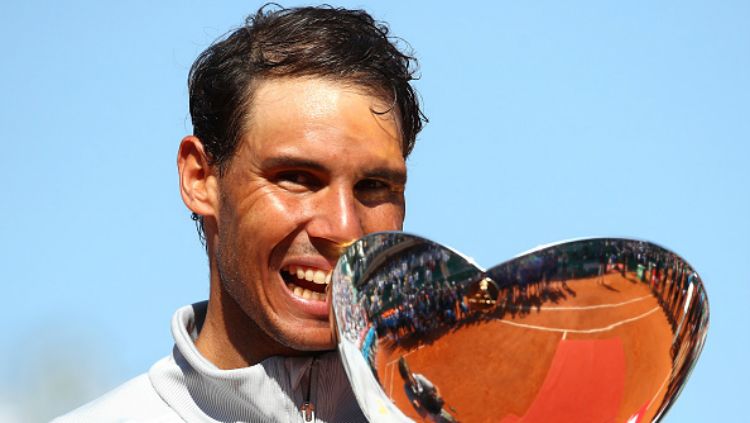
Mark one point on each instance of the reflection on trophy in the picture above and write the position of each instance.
(424, 395)
(483, 295)
(589, 330)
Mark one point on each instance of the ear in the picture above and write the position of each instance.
(198, 184)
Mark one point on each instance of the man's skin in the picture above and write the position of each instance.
(319, 165)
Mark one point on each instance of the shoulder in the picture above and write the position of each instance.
(134, 401)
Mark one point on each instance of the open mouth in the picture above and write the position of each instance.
(305, 282)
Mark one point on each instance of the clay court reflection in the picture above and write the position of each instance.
(589, 330)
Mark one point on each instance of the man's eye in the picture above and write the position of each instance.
(374, 191)
(296, 180)
(372, 185)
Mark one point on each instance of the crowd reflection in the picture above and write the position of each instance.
(408, 288)
(418, 293)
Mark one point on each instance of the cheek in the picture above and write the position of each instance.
(266, 218)
(273, 205)
(387, 217)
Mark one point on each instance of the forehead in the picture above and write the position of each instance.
(314, 113)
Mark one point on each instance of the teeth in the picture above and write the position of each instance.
(306, 293)
(316, 276)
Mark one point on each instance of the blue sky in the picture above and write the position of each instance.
(548, 121)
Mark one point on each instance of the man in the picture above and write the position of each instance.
(423, 394)
(302, 122)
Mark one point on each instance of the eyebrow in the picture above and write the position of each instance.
(293, 162)
(395, 176)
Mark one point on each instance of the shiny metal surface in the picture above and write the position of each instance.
(590, 330)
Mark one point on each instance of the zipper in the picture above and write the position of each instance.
(308, 406)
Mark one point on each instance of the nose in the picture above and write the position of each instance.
(336, 217)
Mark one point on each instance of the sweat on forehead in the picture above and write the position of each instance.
(315, 99)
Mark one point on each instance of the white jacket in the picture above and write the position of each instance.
(184, 386)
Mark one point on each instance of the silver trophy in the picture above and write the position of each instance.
(591, 330)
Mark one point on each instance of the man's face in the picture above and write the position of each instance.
(316, 170)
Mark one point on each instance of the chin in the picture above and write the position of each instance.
(317, 339)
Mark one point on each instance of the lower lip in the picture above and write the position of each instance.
(317, 309)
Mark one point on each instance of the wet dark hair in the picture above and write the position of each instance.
(344, 45)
